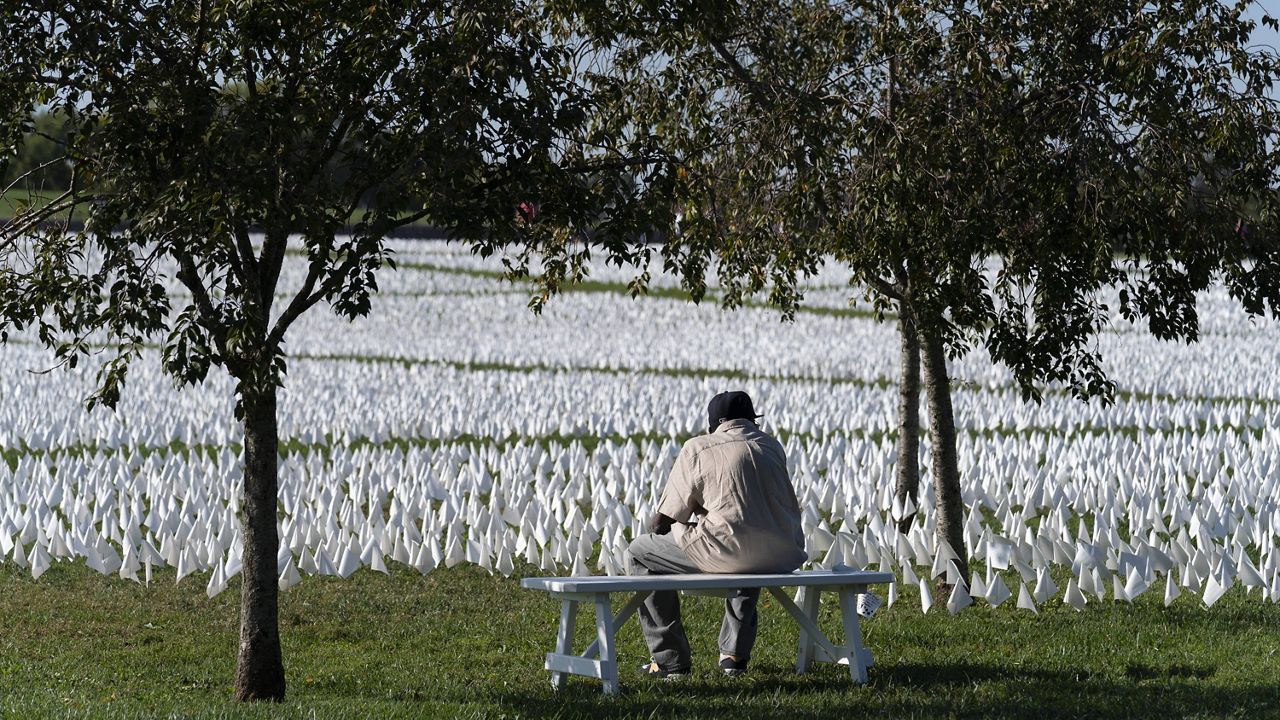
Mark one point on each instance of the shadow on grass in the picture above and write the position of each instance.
(958, 690)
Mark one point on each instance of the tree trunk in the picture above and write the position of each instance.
(942, 435)
(907, 467)
(259, 668)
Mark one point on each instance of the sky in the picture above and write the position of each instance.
(1265, 35)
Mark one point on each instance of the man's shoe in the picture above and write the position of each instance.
(733, 668)
(653, 670)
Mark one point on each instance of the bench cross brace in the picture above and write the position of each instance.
(814, 645)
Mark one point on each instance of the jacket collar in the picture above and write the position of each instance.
(736, 424)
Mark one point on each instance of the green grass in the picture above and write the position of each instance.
(620, 288)
(461, 643)
(10, 201)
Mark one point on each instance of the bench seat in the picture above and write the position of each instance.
(599, 660)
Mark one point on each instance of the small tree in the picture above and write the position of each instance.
(990, 170)
(196, 125)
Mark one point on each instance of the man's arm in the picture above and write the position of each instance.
(674, 506)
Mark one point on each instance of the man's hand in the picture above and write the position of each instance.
(660, 524)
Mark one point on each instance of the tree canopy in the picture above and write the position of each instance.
(1075, 145)
(196, 125)
(209, 140)
(993, 171)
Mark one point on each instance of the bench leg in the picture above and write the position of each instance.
(564, 640)
(807, 600)
(619, 620)
(853, 635)
(604, 636)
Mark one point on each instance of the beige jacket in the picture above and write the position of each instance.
(735, 480)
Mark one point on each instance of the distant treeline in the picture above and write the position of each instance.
(40, 156)
(40, 159)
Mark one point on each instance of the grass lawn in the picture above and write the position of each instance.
(9, 201)
(462, 643)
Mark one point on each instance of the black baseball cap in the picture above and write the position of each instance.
(732, 405)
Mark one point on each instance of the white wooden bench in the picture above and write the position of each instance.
(600, 659)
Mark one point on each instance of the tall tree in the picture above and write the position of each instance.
(992, 170)
(210, 140)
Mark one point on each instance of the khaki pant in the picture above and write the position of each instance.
(660, 615)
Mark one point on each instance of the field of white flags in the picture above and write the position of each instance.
(454, 426)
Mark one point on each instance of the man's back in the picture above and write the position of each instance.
(736, 479)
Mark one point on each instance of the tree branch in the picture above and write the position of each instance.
(301, 302)
(738, 69)
(201, 23)
(306, 298)
(29, 221)
(32, 171)
(269, 264)
(244, 248)
(190, 277)
(886, 288)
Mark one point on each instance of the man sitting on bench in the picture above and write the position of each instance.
(733, 481)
